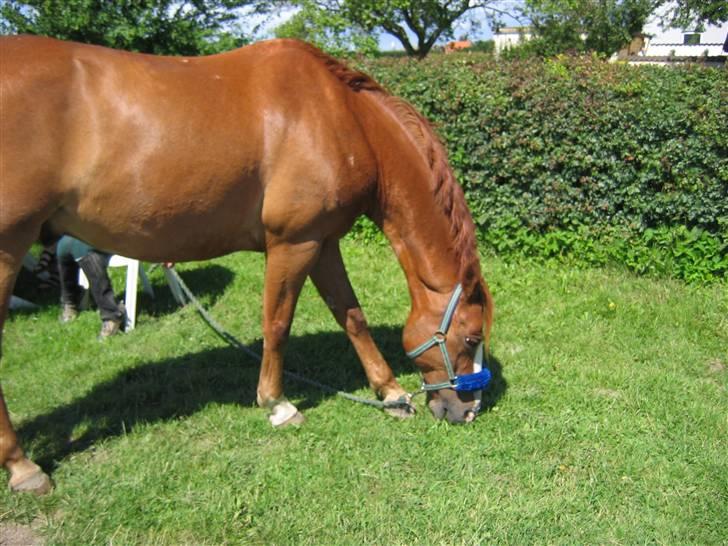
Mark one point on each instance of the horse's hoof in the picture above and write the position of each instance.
(284, 414)
(403, 411)
(38, 483)
(295, 420)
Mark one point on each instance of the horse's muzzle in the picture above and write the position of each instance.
(456, 407)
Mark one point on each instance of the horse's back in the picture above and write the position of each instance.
(176, 156)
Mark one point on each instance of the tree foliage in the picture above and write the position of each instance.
(416, 24)
(151, 26)
(603, 26)
(608, 25)
(686, 12)
(329, 30)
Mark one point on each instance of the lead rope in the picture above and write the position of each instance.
(402, 402)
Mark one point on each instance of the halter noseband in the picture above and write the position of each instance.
(470, 382)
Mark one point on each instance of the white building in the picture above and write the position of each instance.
(708, 41)
(656, 44)
(662, 44)
(509, 37)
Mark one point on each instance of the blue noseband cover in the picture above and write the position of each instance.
(473, 381)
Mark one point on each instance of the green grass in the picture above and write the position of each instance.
(607, 419)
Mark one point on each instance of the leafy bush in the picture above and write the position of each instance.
(573, 157)
(483, 46)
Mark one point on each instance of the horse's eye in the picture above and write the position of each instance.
(473, 340)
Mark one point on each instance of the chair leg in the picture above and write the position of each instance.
(132, 279)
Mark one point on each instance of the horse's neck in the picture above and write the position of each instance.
(420, 234)
(406, 209)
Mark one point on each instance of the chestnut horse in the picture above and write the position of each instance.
(275, 147)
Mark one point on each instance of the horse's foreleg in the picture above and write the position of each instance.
(286, 268)
(25, 475)
(330, 277)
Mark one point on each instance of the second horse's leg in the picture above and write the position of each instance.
(330, 277)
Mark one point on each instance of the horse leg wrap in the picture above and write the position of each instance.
(284, 413)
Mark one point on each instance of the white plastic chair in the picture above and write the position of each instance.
(134, 270)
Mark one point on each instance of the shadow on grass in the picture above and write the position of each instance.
(179, 387)
(210, 282)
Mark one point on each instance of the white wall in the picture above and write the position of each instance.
(670, 41)
(510, 37)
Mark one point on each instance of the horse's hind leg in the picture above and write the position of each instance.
(25, 475)
(330, 277)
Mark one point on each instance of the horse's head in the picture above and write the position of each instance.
(448, 344)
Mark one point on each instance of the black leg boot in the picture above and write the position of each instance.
(71, 292)
(112, 315)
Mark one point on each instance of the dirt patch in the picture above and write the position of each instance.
(12, 534)
(607, 393)
(716, 366)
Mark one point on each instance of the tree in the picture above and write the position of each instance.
(604, 26)
(152, 26)
(608, 25)
(686, 12)
(329, 30)
(416, 24)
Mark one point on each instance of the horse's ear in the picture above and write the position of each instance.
(477, 292)
(488, 311)
(472, 286)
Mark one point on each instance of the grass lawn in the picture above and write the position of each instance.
(607, 421)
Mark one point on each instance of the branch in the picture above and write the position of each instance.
(401, 35)
(410, 20)
(500, 12)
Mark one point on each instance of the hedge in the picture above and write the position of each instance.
(577, 158)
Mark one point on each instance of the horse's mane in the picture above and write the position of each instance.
(447, 192)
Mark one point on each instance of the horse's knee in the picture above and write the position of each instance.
(276, 334)
(356, 323)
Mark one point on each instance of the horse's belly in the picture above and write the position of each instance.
(175, 220)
